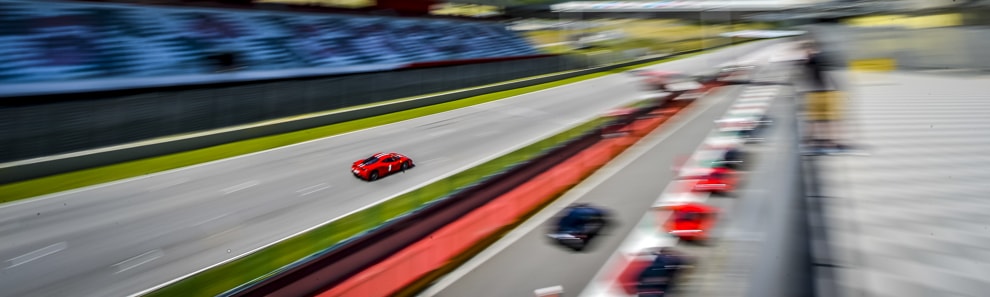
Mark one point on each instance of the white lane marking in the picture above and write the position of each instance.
(168, 184)
(370, 205)
(767, 93)
(744, 105)
(581, 190)
(755, 99)
(442, 132)
(432, 160)
(136, 178)
(757, 90)
(313, 189)
(138, 260)
(548, 291)
(602, 286)
(637, 241)
(213, 219)
(481, 161)
(37, 254)
(764, 89)
(500, 101)
(239, 187)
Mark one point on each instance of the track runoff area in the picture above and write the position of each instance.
(524, 263)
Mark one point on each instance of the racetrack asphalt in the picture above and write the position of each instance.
(533, 262)
(526, 260)
(121, 238)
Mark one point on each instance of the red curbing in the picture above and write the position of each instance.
(417, 260)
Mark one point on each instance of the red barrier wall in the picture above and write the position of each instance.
(421, 258)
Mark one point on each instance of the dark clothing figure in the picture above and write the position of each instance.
(822, 106)
(815, 68)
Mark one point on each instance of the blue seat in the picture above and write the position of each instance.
(154, 41)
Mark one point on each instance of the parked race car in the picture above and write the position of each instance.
(654, 271)
(749, 128)
(578, 225)
(691, 221)
(719, 180)
(380, 165)
(667, 81)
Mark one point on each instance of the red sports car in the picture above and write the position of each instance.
(720, 180)
(692, 221)
(667, 81)
(379, 165)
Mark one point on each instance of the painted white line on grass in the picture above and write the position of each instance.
(239, 187)
(313, 189)
(579, 191)
(138, 260)
(37, 254)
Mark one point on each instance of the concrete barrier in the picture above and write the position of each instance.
(45, 166)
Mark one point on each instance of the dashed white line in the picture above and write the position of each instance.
(138, 260)
(767, 93)
(755, 99)
(432, 160)
(36, 254)
(213, 219)
(239, 187)
(313, 189)
(761, 90)
(168, 184)
(741, 105)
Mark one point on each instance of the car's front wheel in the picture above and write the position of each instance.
(373, 176)
(405, 165)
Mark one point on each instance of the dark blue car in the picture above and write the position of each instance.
(578, 225)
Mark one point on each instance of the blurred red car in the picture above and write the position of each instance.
(691, 221)
(379, 165)
(720, 180)
(667, 81)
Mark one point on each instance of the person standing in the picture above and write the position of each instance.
(822, 104)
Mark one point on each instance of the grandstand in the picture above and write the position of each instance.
(61, 40)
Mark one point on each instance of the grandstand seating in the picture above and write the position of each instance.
(59, 40)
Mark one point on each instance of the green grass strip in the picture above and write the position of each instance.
(262, 263)
(265, 262)
(98, 175)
